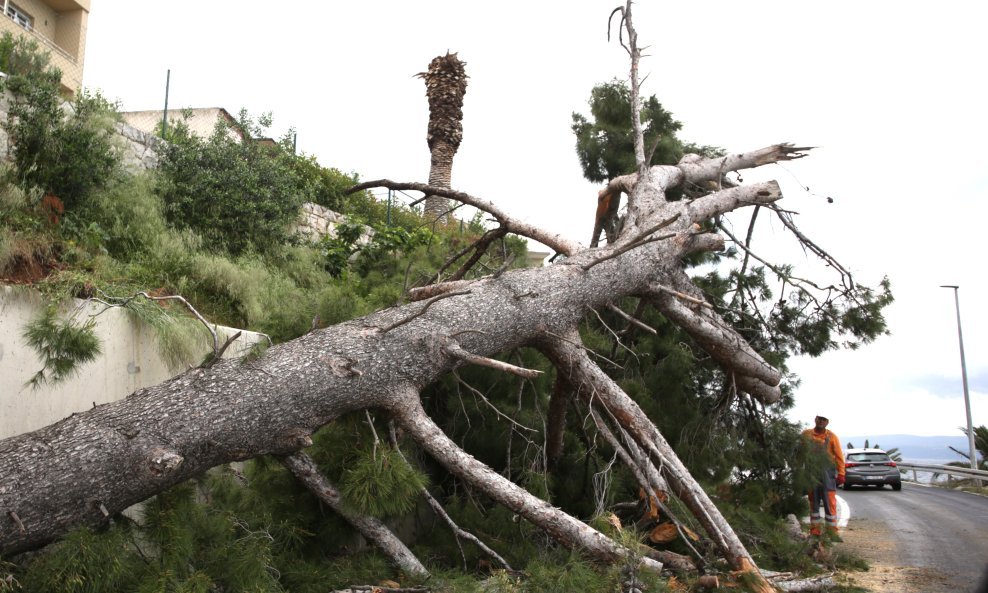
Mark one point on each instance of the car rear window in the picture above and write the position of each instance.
(868, 457)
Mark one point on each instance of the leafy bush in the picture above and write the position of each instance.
(238, 194)
(329, 184)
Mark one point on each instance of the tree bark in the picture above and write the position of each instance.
(555, 425)
(436, 208)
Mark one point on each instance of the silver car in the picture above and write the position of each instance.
(870, 467)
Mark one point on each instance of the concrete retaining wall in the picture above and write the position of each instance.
(130, 361)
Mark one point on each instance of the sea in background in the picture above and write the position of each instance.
(934, 450)
(917, 449)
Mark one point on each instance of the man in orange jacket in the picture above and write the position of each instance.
(826, 490)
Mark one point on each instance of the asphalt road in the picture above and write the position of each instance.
(934, 528)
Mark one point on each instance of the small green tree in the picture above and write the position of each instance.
(67, 152)
(605, 144)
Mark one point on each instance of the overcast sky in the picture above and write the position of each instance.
(891, 93)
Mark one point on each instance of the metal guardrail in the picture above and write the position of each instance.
(949, 470)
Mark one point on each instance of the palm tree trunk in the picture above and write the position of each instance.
(436, 208)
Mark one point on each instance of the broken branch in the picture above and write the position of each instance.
(456, 351)
(306, 471)
(562, 527)
(513, 225)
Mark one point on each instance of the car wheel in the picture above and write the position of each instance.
(897, 486)
(847, 486)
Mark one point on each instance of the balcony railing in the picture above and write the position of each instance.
(48, 43)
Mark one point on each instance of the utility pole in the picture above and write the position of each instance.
(164, 114)
(967, 397)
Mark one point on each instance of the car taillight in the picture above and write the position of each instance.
(891, 464)
(850, 464)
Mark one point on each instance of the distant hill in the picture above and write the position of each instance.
(915, 448)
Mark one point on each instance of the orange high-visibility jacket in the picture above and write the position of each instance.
(831, 444)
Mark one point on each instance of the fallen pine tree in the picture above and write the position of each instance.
(88, 468)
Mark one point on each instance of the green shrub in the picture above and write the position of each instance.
(132, 216)
(329, 184)
(237, 194)
(69, 153)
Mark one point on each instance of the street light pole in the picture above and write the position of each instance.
(967, 397)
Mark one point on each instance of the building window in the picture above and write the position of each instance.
(19, 16)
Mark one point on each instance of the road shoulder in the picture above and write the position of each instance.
(872, 541)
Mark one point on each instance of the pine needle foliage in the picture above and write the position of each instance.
(8, 580)
(85, 562)
(62, 344)
(379, 483)
(196, 539)
(605, 143)
(571, 573)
